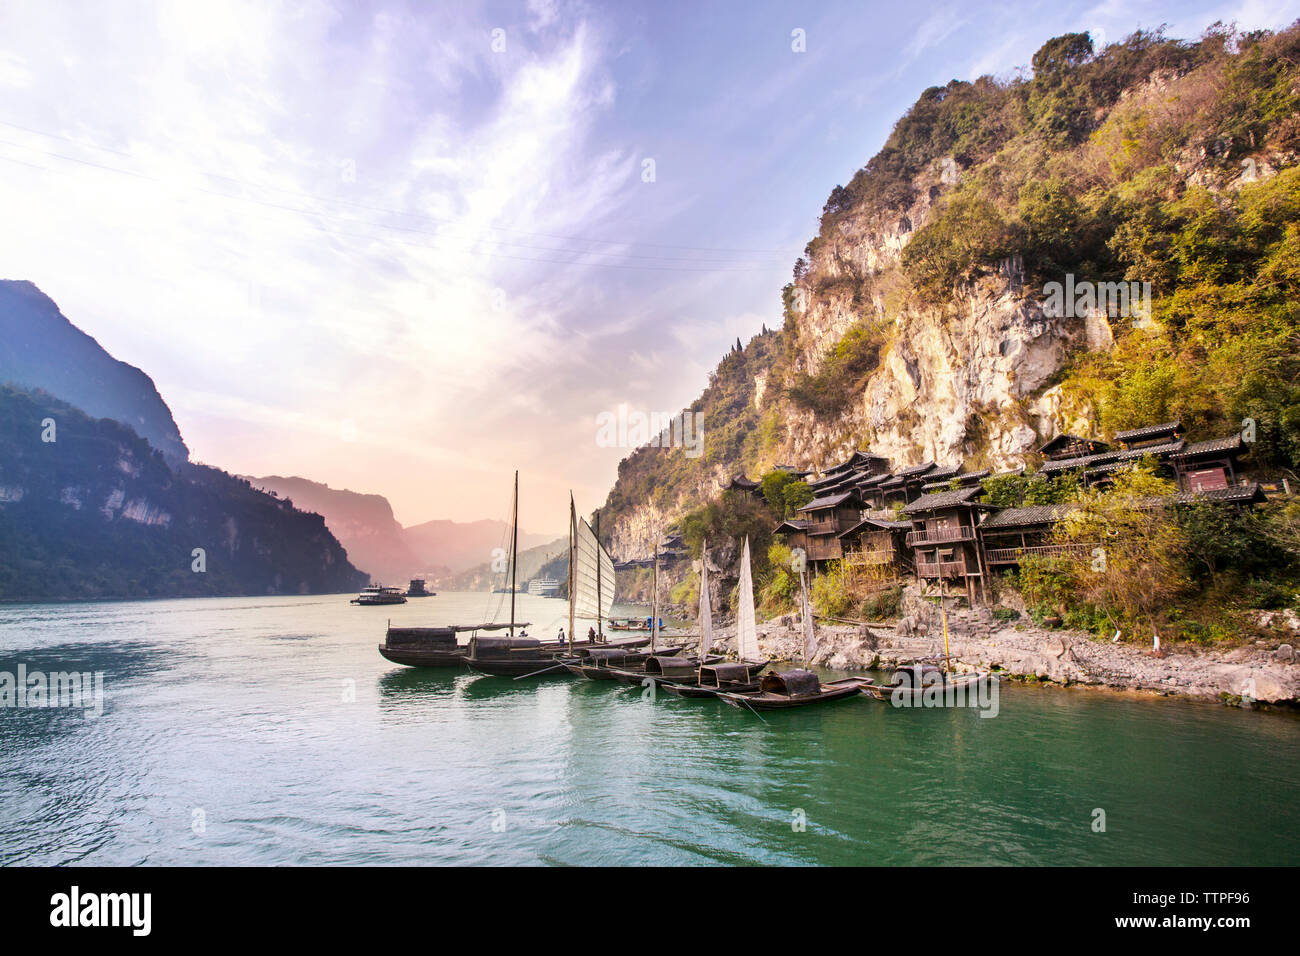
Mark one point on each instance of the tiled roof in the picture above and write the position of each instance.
(1026, 516)
(1064, 464)
(1234, 495)
(794, 524)
(915, 470)
(1231, 443)
(1110, 458)
(829, 501)
(878, 524)
(943, 499)
(1148, 431)
(966, 480)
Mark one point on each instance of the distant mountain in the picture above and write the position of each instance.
(484, 577)
(40, 348)
(439, 550)
(458, 546)
(364, 525)
(98, 513)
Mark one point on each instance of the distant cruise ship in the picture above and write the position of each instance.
(544, 587)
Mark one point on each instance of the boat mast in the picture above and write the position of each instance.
(706, 610)
(514, 551)
(654, 600)
(600, 605)
(805, 612)
(573, 537)
(943, 616)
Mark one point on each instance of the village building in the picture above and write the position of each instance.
(944, 541)
(904, 486)
(938, 480)
(1071, 446)
(1208, 465)
(1010, 534)
(826, 517)
(794, 532)
(741, 483)
(877, 545)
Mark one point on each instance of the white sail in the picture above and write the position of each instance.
(587, 556)
(746, 631)
(706, 605)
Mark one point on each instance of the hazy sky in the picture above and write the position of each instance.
(355, 242)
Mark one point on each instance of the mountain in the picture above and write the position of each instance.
(552, 555)
(439, 550)
(1156, 178)
(88, 509)
(40, 348)
(458, 546)
(364, 525)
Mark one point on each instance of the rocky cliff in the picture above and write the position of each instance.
(88, 509)
(40, 348)
(918, 326)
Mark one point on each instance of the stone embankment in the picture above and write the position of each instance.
(1264, 672)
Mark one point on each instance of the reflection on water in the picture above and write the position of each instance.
(270, 731)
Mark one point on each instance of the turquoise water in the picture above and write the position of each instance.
(270, 731)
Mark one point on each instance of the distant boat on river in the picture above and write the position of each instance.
(376, 594)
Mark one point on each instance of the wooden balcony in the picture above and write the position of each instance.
(939, 536)
(872, 556)
(1013, 555)
(947, 569)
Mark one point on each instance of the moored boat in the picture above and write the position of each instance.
(736, 677)
(614, 662)
(911, 682)
(797, 688)
(417, 589)
(430, 646)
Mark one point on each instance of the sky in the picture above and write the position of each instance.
(408, 247)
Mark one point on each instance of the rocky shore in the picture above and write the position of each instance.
(1266, 672)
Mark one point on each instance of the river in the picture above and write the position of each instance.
(270, 731)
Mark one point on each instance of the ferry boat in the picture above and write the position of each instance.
(377, 594)
(417, 589)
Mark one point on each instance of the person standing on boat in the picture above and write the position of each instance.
(591, 635)
(561, 637)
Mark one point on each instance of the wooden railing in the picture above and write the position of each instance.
(1013, 555)
(940, 536)
(870, 556)
(947, 569)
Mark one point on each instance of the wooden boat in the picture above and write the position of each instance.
(591, 595)
(911, 681)
(737, 677)
(375, 595)
(797, 688)
(663, 668)
(433, 646)
(417, 589)
(630, 624)
(611, 662)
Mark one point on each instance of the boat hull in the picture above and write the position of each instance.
(423, 657)
(890, 692)
(760, 700)
(696, 692)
